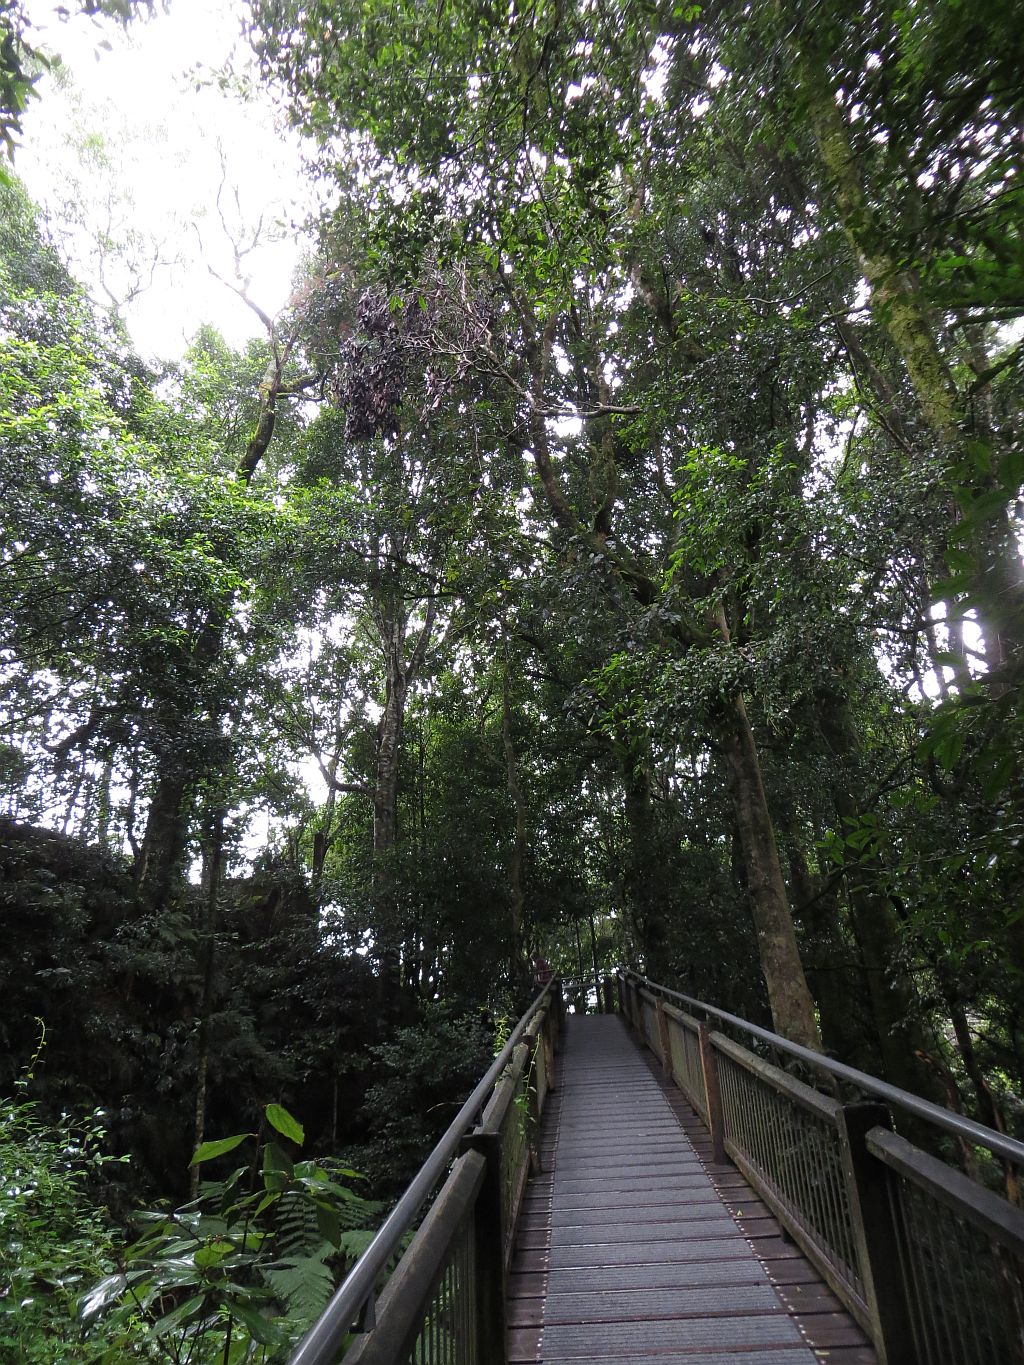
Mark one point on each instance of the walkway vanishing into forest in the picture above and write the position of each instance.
(633, 1245)
(642, 1187)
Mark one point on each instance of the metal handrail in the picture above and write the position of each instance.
(323, 1341)
(997, 1143)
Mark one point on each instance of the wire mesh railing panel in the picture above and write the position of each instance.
(515, 1156)
(540, 1072)
(964, 1291)
(684, 1047)
(796, 1153)
(449, 1335)
(928, 1261)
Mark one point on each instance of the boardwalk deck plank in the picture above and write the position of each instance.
(633, 1246)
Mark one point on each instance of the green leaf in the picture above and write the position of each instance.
(277, 1168)
(948, 749)
(206, 1151)
(959, 560)
(951, 587)
(329, 1225)
(1011, 470)
(254, 1323)
(172, 1320)
(212, 1254)
(996, 779)
(287, 1126)
(106, 1292)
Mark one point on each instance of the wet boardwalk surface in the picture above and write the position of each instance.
(632, 1246)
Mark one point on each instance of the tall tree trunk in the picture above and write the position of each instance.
(134, 782)
(385, 824)
(180, 764)
(788, 993)
(642, 868)
(834, 975)
(903, 1041)
(323, 832)
(897, 304)
(165, 836)
(103, 803)
(212, 867)
(398, 676)
(517, 856)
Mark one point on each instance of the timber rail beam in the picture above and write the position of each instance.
(444, 1299)
(928, 1261)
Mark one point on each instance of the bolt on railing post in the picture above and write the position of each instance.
(712, 1091)
(877, 1234)
(489, 1252)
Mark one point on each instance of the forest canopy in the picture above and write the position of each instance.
(610, 553)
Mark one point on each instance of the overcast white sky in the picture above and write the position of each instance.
(129, 148)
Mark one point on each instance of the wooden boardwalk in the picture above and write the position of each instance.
(633, 1246)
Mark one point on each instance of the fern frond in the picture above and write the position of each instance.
(296, 1229)
(303, 1284)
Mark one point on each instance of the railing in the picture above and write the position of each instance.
(443, 1303)
(929, 1262)
(578, 990)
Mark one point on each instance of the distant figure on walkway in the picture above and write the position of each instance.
(542, 971)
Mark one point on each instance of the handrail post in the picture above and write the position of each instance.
(663, 1042)
(608, 991)
(555, 1012)
(712, 1091)
(489, 1251)
(877, 1234)
(633, 1013)
(620, 982)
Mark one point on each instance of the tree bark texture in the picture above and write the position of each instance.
(645, 906)
(399, 674)
(904, 1044)
(517, 856)
(212, 869)
(834, 974)
(788, 993)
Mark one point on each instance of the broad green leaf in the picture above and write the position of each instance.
(285, 1124)
(277, 1168)
(178, 1315)
(206, 1151)
(329, 1224)
(212, 1254)
(258, 1327)
(106, 1292)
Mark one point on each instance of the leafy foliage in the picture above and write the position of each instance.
(54, 1236)
(242, 1271)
